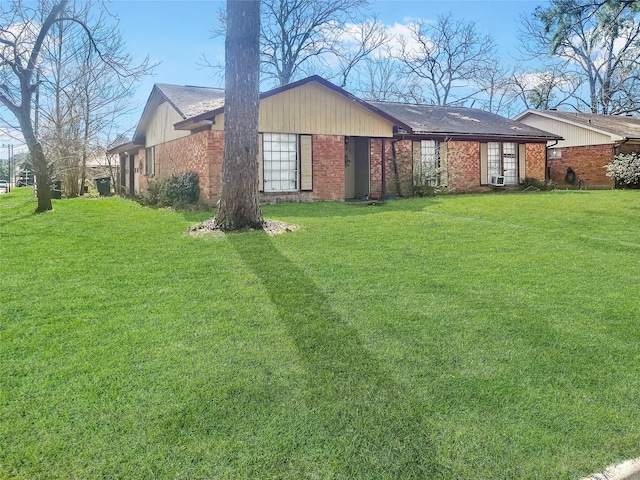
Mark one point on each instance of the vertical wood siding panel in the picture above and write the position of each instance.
(444, 165)
(484, 159)
(314, 109)
(522, 161)
(417, 157)
(260, 165)
(306, 163)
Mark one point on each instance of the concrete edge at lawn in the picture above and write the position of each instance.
(629, 470)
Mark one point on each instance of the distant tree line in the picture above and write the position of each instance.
(574, 55)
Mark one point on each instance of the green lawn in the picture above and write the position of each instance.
(456, 337)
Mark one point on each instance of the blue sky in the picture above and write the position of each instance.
(178, 33)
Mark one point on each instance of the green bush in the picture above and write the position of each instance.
(175, 191)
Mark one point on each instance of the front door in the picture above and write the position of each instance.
(356, 167)
(132, 174)
(362, 170)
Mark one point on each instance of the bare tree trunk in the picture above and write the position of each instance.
(238, 207)
(40, 166)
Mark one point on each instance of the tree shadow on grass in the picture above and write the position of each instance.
(372, 426)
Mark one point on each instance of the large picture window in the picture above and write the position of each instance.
(430, 162)
(502, 159)
(280, 157)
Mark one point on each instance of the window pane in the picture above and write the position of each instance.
(429, 163)
(494, 163)
(280, 162)
(510, 163)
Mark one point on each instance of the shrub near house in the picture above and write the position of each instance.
(175, 191)
(625, 170)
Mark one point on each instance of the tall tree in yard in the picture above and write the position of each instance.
(40, 42)
(21, 43)
(238, 207)
(598, 45)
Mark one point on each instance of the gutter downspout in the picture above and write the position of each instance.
(618, 145)
(395, 164)
(547, 177)
(384, 180)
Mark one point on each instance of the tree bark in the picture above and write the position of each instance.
(238, 207)
(40, 166)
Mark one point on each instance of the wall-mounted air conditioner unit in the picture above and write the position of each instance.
(496, 180)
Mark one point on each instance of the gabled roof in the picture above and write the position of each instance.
(187, 101)
(209, 115)
(617, 126)
(459, 122)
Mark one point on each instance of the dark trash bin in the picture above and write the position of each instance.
(56, 189)
(104, 185)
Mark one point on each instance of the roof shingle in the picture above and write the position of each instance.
(458, 121)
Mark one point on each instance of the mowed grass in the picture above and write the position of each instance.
(475, 336)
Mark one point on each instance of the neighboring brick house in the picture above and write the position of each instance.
(590, 142)
(319, 142)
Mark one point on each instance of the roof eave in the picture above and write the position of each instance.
(137, 134)
(614, 136)
(497, 136)
(200, 120)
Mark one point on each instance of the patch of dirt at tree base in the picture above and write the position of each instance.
(270, 227)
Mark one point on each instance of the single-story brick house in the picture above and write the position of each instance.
(590, 142)
(319, 142)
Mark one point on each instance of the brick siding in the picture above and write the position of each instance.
(202, 152)
(463, 166)
(375, 166)
(402, 186)
(588, 164)
(328, 167)
(535, 155)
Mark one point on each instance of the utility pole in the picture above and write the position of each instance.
(12, 168)
(9, 160)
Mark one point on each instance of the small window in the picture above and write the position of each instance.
(150, 164)
(555, 153)
(280, 160)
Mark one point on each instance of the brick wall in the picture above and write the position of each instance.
(215, 154)
(186, 154)
(628, 148)
(203, 153)
(588, 164)
(536, 155)
(375, 165)
(464, 166)
(328, 167)
(404, 166)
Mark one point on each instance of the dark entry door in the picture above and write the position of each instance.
(132, 174)
(361, 155)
